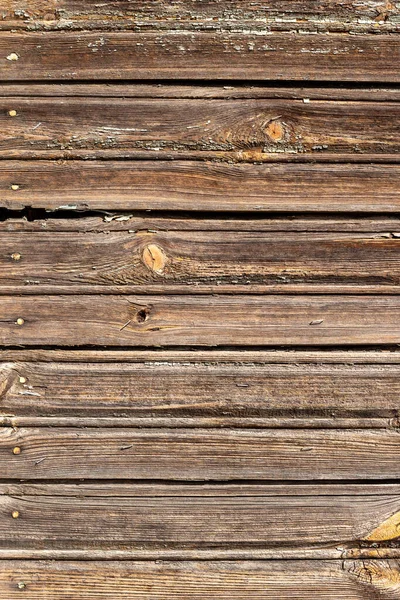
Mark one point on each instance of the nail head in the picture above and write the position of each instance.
(12, 113)
(15, 187)
(22, 379)
(16, 256)
(13, 56)
(21, 585)
(15, 514)
(17, 450)
(20, 321)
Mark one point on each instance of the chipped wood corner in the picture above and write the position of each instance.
(386, 531)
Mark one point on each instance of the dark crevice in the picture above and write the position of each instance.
(217, 348)
(31, 214)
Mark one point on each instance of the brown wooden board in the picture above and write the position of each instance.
(172, 261)
(187, 520)
(242, 128)
(212, 14)
(174, 55)
(203, 186)
(223, 580)
(199, 454)
(166, 392)
(199, 320)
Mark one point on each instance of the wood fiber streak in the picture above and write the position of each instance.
(124, 185)
(223, 580)
(199, 321)
(248, 129)
(209, 15)
(198, 259)
(170, 55)
(220, 394)
(201, 454)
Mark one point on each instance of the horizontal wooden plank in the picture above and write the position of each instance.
(197, 321)
(195, 522)
(219, 261)
(201, 454)
(203, 356)
(135, 14)
(249, 129)
(350, 580)
(173, 394)
(169, 185)
(178, 90)
(255, 55)
(140, 222)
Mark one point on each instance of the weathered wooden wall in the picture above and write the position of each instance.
(199, 299)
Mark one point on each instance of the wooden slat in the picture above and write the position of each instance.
(124, 185)
(250, 129)
(221, 519)
(142, 223)
(349, 580)
(200, 454)
(258, 55)
(203, 260)
(159, 14)
(173, 394)
(199, 321)
(254, 90)
(233, 357)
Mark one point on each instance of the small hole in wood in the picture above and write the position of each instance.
(142, 315)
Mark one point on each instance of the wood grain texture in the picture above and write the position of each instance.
(250, 129)
(258, 55)
(199, 454)
(141, 222)
(194, 15)
(172, 394)
(175, 260)
(199, 321)
(221, 519)
(179, 185)
(322, 580)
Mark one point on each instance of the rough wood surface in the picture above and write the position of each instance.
(172, 260)
(199, 454)
(186, 519)
(141, 222)
(223, 580)
(250, 129)
(374, 15)
(173, 394)
(199, 320)
(255, 55)
(162, 185)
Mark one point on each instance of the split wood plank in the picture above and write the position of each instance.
(199, 320)
(206, 55)
(223, 580)
(173, 394)
(207, 186)
(244, 129)
(59, 453)
(223, 261)
(209, 15)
